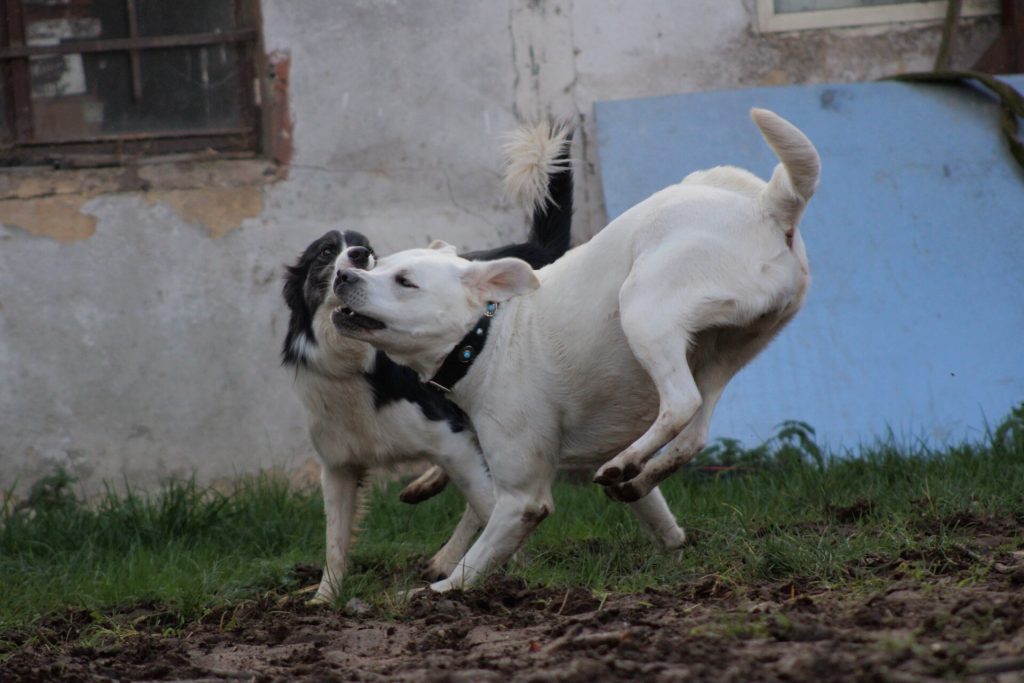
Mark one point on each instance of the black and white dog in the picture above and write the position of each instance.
(366, 411)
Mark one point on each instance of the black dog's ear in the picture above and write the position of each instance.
(300, 319)
(294, 277)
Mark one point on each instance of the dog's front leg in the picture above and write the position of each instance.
(515, 515)
(444, 560)
(523, 488)
(464, 464)
(460, 457)
(340, 489)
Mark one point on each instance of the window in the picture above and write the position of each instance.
(87, 82)
(792, 15)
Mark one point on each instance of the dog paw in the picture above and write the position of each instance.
(675, 544)
(611, 474)
(630, 471)
(437, 570)
(410, 594)
(442, 586)
(607, 475)
(321, 598)
(427, 485)
(625, 493)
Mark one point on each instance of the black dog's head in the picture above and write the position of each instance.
(308, 282)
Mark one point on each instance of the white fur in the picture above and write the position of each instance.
(626, 346)
(532, 155)
(352, 436)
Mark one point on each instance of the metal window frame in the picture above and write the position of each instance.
(769, 21)
(18, 145)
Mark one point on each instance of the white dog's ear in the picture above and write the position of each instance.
(500, 280)
(443, 247)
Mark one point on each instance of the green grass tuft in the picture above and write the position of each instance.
(779, 511)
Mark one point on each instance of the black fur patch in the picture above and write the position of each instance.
(534, 254)
(392, 382)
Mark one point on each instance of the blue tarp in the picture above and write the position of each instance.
(915, 318)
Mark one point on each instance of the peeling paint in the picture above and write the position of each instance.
(775, 77)
(30, 183)
(60, 218)
(218, 209)
(279, 120)
(216, 194)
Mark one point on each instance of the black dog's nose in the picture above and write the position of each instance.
(347, 277)
(358, 256)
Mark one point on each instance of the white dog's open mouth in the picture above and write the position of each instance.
(346, 318)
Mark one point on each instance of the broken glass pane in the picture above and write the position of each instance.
(182, 89)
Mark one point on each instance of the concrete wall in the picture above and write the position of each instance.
(140, 321)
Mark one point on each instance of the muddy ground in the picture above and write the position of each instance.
(962, 619)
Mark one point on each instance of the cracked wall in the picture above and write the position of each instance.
(139, 307)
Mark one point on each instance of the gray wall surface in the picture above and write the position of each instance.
(139, 330)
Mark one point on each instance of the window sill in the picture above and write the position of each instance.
(142, 175)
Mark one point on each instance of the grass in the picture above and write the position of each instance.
(783, 511)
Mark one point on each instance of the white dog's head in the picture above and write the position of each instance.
(417, 304)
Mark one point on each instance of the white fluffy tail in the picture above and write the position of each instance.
(795, 179)
(533, 154)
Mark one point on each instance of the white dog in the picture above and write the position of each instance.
(624, 349)
(366, 411)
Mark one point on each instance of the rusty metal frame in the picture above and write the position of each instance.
(1006, 54)
(127, 44)
(19, 145)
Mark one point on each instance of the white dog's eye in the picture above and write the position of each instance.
(404, 282)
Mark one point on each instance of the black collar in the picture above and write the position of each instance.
(458, 362)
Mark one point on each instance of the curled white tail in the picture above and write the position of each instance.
(533, 154)
(795, 179)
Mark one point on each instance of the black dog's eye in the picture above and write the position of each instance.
(404, 282)
(328, 251)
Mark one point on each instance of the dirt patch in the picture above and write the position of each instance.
(964, 620)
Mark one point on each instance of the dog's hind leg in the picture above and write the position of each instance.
(659, 339)
(672, 457)
(720, 356)
(657, 519)
(444, 561)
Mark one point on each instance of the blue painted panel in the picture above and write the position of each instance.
(915, 319)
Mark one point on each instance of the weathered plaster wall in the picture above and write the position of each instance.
(139, 308)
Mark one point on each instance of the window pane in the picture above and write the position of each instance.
(91, 94)
(61, 97)
(3, 86)
(51, 22)
(784, 6)
(172, 17)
